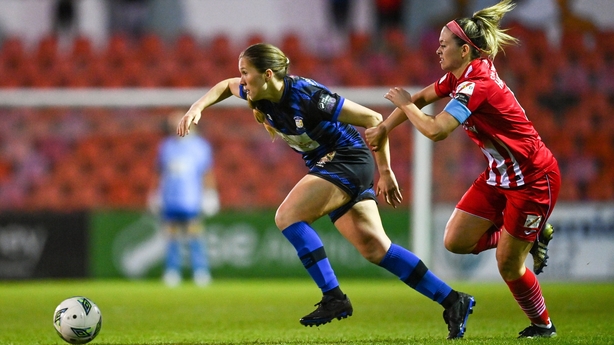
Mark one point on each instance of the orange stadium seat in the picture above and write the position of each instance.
(87, 196)
(359, 43)
(12, 58)
(11, 78)
(118, 51)
(600, 143)
(46, 197)
(221, 51)
(601, 188)
(292, 46)
(111, 76)
(575, 44)
(82, 52)
(151, 44)
(186, 50)
(47, 51)
(569, 190)
(255, 38)
(80, 79)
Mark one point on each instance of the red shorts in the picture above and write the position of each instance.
(522, 210)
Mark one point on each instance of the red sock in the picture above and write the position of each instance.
(528, 295)
(488, 241)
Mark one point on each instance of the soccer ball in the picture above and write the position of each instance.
(77, 320)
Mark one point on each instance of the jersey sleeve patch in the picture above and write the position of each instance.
(464, 91)
(458, 110)
(327, 103)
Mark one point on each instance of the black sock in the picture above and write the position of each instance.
(335, 292)
(450, 299)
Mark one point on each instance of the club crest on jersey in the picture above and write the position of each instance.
(533, 221)
(326, 103)
(298, 121)
(327, 158)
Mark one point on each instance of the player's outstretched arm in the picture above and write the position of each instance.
(375, 135)
(436, 127)
(217, 93)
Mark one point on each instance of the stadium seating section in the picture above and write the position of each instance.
(81, 158)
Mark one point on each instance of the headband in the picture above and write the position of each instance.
(458, 31)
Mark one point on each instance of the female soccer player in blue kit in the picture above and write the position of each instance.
(319, 125)
(185, 193)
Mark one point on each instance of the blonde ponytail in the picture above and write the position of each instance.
(484, 31)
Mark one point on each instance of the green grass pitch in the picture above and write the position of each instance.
(267, 312)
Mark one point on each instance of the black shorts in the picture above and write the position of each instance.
(352, 170)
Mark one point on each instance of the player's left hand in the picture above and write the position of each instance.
(389, 186)
(192, 116)
(398, 96)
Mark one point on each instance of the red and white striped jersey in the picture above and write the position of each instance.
(493, 119)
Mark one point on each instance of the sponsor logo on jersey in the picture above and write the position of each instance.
(528, 232)
(298, 121)
(470, 128)
(326, 103)
(301, 143)
(327, 158)
(463, 98)
(533, 221)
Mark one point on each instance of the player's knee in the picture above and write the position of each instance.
(373, 250)
(455, 247)
(372, 256)
(281, 224)
(510, 269)
(284, 219)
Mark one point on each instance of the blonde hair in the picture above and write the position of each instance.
(264, 56)
(484, 31)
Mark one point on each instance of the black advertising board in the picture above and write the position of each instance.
(43, 245)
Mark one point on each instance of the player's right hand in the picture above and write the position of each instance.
(389, 187)
(192, 116)
(398, 96)
(375, 135)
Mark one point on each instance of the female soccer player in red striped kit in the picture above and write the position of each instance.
(509, 203)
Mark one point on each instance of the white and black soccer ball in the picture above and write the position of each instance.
(77, 320)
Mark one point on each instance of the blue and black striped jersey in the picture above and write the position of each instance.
(306, 118)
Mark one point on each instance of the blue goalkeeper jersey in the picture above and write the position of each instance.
(183, 163)
(306, 118)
